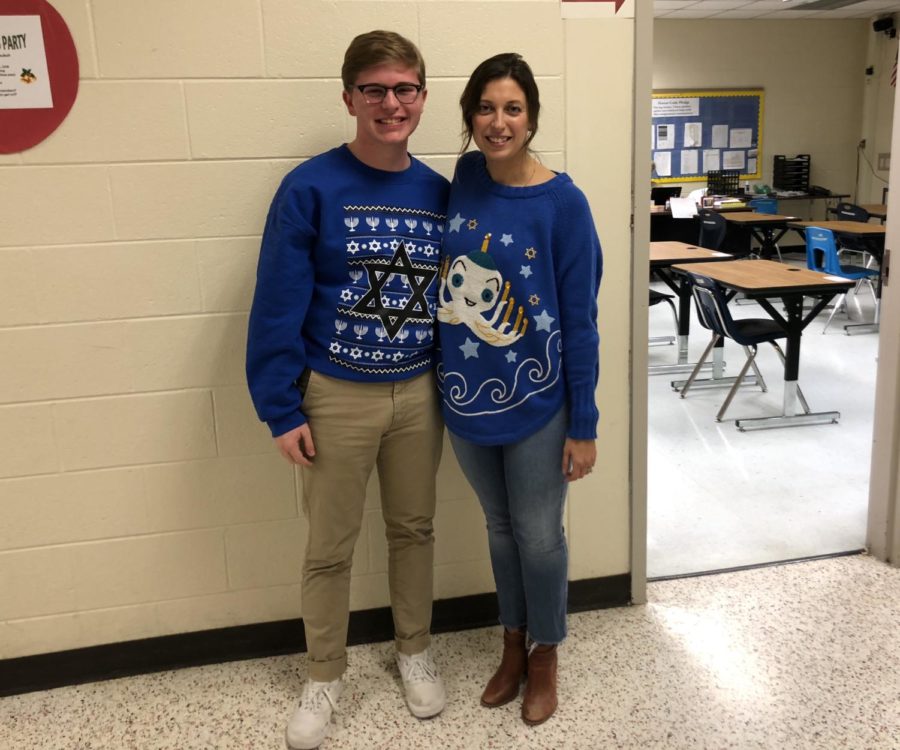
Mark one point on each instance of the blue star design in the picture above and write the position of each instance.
(526, 271)
(456, 222)
(543, 321)
(511, 357)
(506, 239)
(470, 348)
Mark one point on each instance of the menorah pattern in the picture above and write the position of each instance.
(384, 316)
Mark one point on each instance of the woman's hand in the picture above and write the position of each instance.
(578, 458)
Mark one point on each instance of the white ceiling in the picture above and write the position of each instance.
(768, 9)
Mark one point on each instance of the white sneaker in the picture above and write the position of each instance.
(425, 694)
(306, 728)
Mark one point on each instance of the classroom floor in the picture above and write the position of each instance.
(719, 498)
(799, 656)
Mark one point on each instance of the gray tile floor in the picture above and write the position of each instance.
(784, 657)
(720, 498)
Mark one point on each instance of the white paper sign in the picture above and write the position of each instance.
(24, 77)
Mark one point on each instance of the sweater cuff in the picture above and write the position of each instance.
(583, 414)
(286, 423)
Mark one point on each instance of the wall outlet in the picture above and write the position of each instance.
(884, 162)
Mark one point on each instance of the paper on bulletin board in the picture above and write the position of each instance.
(24, 75)
(662, 162)
(719, 136)
(711, 160)
(741, 138)
(733, 160)
(689, 161)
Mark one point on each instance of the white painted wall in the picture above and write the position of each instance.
(139, 496)
(878, 114)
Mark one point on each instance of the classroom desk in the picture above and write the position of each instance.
(663, 227)
(766, 228)
(663, 255)
(763, 280)
(874, 234)
(876, 210)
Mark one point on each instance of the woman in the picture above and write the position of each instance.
(518, 326)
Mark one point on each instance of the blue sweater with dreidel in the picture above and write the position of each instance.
(517, 307)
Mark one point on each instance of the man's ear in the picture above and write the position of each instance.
(348, 101)
(424, 95)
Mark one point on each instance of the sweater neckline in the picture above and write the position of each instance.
(510, 191)
(383, 174)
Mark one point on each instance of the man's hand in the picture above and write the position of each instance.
(578, 458)
(297, 445)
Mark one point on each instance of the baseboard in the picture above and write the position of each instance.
(45, 671)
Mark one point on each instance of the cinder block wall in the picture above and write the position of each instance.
(139, 496)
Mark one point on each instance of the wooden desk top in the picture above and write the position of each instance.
(751, 217)
(670, 251)
(767, 276)
(842, 227)
(662, 210)
(876, 210)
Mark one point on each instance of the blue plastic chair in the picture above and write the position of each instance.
(822, 255)
(713, 313)
(764, 205)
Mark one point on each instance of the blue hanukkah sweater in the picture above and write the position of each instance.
(346, 280)
(518, 308)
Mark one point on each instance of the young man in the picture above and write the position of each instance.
(339, 364)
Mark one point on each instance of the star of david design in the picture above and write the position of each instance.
(374, 305)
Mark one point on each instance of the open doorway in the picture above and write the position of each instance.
(718, 498)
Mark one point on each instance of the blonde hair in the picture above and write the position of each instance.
(378, 47)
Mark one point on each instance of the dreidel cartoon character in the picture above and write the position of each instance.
(474, 285)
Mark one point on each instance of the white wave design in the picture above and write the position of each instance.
(455, 394)
(396, 209)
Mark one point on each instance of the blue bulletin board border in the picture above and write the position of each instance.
(737, 109)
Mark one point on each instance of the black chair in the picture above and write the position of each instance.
(852, 212)
(655, 298)
(712, 311)
(712, 229)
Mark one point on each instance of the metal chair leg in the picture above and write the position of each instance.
(759, 377)
(696, 371)
(838, 302)
(751, 355)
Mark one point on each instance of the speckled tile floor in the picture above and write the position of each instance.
(788, 657)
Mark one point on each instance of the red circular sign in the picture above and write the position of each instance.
(20, 129)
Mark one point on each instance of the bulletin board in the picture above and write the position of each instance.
(694, 132)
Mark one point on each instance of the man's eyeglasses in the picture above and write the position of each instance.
(374, 93)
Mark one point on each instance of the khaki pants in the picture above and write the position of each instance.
(355, 427)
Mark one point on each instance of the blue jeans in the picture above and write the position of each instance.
(522, 492)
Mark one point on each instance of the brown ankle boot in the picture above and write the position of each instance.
(540, 690)
(504, 685)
